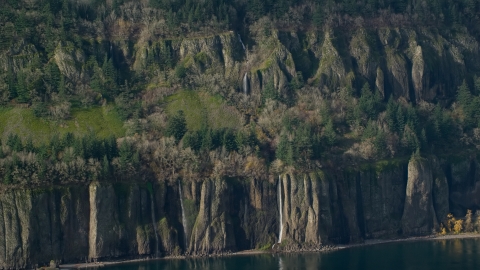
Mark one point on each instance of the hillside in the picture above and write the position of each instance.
(109, 108)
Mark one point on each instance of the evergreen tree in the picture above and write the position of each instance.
(303, 143)
(23, 95)
(380, 142)
(106, 173)
(477, 85)
(193, 140)
(14, 142)
(256, 8)
(177, 126)
(283, 149)
(125, 155)
(318, 16)
(229, 141)
(29, 147)
(369, 103)
(269, 92)
(110, 79)
(329, 133)
(207, 143)
(400, 117)
(10, 80)
(78, 148)
(391, 113)
(469, 105)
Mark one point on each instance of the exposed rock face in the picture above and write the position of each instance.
(440, 191)
(213, 231)
(382, 200)
(415, 64)
(380, 82)
(39, 224)
(68, 61)
(418, 215)
(418, 68)
(301, 210)
(105, 220)
(332, 70)
(464, 183)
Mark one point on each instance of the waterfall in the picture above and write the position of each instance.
(280, 208)
(245, 84)
(240, 39)
(154, 222)
(245, 77)
(184, 219)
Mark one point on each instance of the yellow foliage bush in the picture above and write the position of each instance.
(458, 227)
(450, 222)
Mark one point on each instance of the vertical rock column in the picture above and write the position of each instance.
(92, 235)
(418, 214)
(13, 231)
(302, 211)
(103, 234)
(213, 230)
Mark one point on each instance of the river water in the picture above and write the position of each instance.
(423, 255)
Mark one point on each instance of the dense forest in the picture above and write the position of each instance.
(61, 58)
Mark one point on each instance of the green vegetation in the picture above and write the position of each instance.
(78, 104)
(265, 247)
(202, 109)
(103, 121)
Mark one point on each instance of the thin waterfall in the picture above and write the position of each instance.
(245, 84)
(245, 77)
(184, 219)
(243, 45)
(154, 222)
(280, 208)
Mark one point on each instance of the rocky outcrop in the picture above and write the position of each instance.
(301, 210)
(130, 220)
(332, 71)
(213, 230)
(464, 184)
(413, 64)
(39, 225)
(419, 215)
(69, 60)
(312, 211)
(382, 200)
(440, 192)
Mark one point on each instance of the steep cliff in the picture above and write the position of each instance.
(127, 220)
(40, 224)
(415, 64)
(140, 135)
(412, 64)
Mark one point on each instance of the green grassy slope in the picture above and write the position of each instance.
(103, 121)
(201, 108)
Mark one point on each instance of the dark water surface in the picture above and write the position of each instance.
(422, 255)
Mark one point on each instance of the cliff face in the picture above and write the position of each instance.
(413, 64)
(40, 224)
(105, 220)
(385, 200)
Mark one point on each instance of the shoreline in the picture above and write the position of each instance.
(410, 239)
(270, 251)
